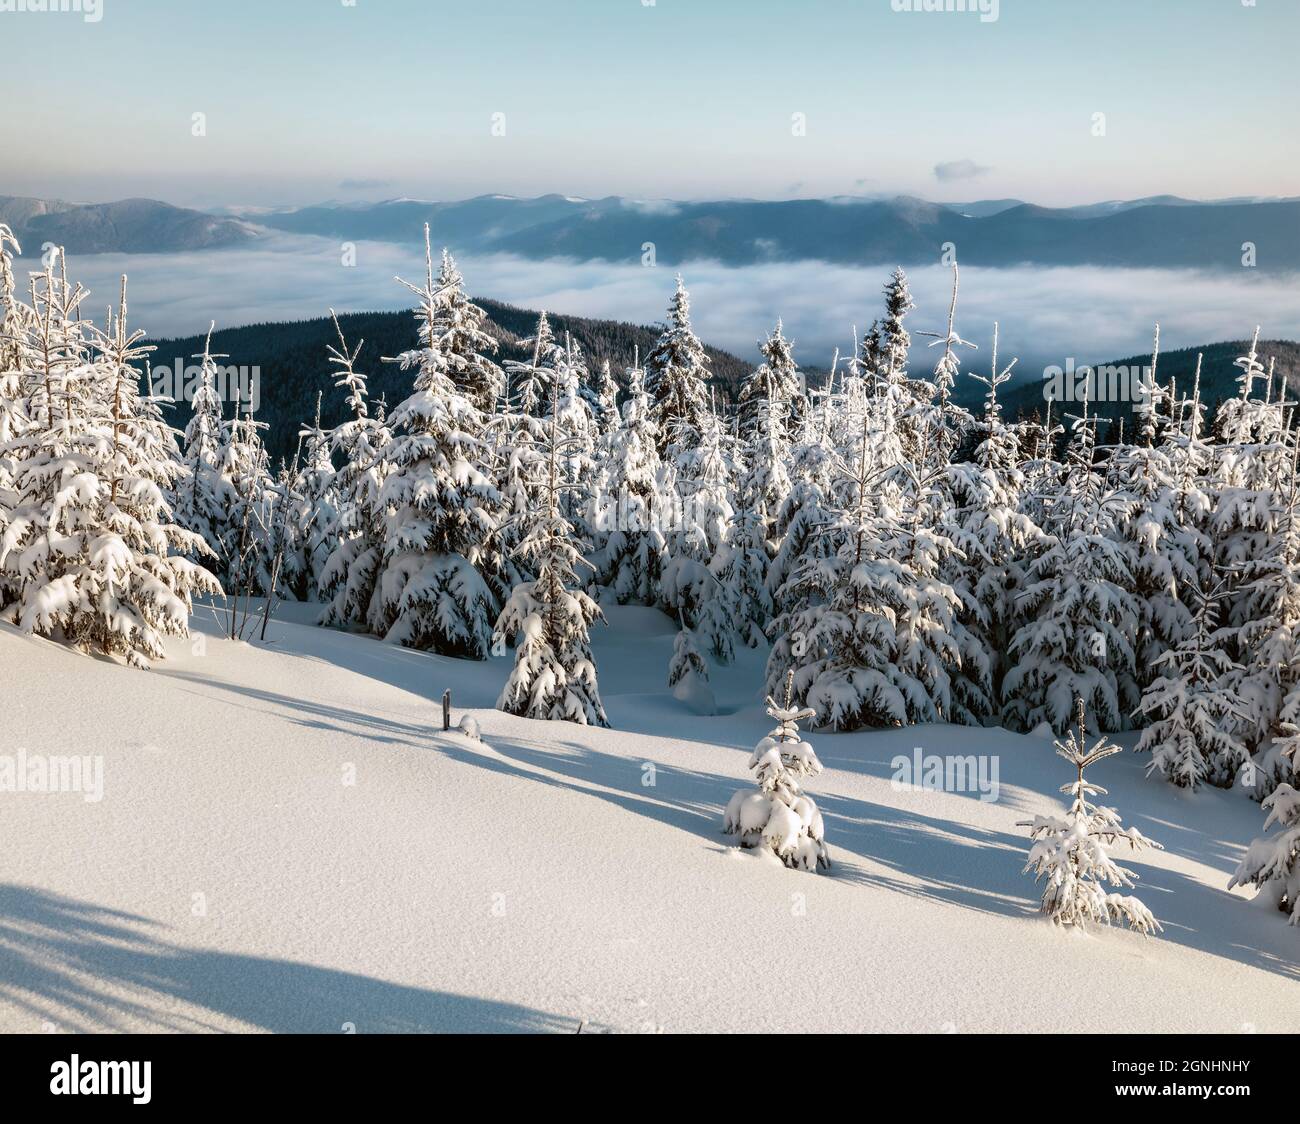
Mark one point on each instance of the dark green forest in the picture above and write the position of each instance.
(294, 366)
(1218, 381)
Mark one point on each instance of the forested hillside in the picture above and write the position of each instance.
(291, 357)
(293, 363)
(1218, 381)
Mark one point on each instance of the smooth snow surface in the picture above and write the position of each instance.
(232, 879)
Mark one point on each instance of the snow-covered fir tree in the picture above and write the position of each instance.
(579, 432)
(805, 513)
(1268, 635)
(1250, 483)
(14, 318)
(351, 572)
(775, 383)
(47, 367)
(245, 538)
(893, 341)
(313, 513)
(631, 550)
(440, 505)
(949, 422)
(529, 383)
(766, 483)
(688, 672)
(284, 546)
(13, 313)
(1192, 704)
(514, 438)
(740, 567)
(204, 497)
(1070, 853)
(87, 544)
(689, 586)
(873, 638)
(1077, 616)
(869, 363)
(1160, 511)
(606, 400)
(676, 372)
(1272, 862)
(779, 817)
(457, 332)
(995, 538)
(549, 618)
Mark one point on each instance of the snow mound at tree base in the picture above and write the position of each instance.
(696, 695)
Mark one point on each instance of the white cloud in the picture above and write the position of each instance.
(959, 170)
(652, 206)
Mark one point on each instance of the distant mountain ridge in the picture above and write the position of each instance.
(128, 226)
(1161, 231)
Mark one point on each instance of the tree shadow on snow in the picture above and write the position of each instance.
(323, 716)
(923, 856)
(930, 856)
(85, 968)
(681, 798)
(420, 672)
(1214, 920)
(933, 857)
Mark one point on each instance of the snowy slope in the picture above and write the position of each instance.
(230, 879)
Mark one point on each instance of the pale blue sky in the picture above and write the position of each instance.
(313, 99)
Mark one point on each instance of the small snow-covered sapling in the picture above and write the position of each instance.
(779, 816)
(1072, 851)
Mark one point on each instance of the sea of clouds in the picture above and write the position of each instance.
(1046, 314)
